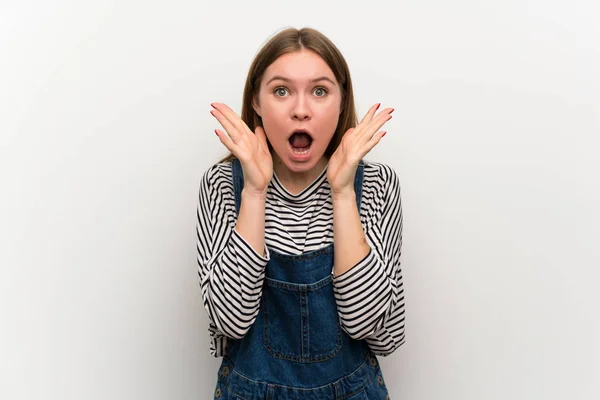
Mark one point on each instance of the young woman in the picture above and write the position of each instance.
(292, 317)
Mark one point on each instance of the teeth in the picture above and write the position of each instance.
(300, 151)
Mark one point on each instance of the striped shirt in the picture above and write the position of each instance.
(369, 296)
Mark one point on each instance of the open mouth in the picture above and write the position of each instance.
(300, 141)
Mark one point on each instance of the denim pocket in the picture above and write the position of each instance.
(301, 320)
(377, 390)
(222, 393)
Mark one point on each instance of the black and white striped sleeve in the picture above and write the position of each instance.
(231, 272)
(370, 296)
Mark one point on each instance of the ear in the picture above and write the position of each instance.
(256, 105)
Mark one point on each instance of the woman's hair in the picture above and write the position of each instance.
(290, 40)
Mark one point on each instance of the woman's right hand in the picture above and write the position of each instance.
(250, 148)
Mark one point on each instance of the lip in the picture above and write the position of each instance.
(300, 130)
(299, 157)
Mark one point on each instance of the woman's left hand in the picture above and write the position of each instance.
(355, 144)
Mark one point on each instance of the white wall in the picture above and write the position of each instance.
(105, 132)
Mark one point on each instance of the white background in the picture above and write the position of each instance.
(105, 133)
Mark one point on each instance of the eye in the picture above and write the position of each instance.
(280, 91)
(321, 90)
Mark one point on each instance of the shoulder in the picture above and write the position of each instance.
(380, 177)
(381, 194)
(218, 176)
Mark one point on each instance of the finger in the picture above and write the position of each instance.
(364, 125)
(261, 136)
(231, 116)
(373, 142)
(229, 127)
(369, 115)
(384, 116)
(377, 122)
(227, 142)
(377, 137)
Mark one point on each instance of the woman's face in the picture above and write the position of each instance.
(299, 92)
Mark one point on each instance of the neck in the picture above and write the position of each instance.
(293, 181)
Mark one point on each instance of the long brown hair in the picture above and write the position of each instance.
(291, 40)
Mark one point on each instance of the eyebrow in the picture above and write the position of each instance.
(282, 78)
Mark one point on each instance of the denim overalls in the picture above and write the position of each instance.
(296, 349)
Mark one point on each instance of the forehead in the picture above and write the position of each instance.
(299, 66)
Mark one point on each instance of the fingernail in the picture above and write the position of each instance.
(383, 134)
(216, 132)
(392, 110)
(378, 104)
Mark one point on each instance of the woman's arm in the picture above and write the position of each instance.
(231, 256)
(367, 274)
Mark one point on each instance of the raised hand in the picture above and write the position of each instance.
(355, 144)
(250, 148)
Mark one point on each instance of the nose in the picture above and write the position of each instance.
(301, 110)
